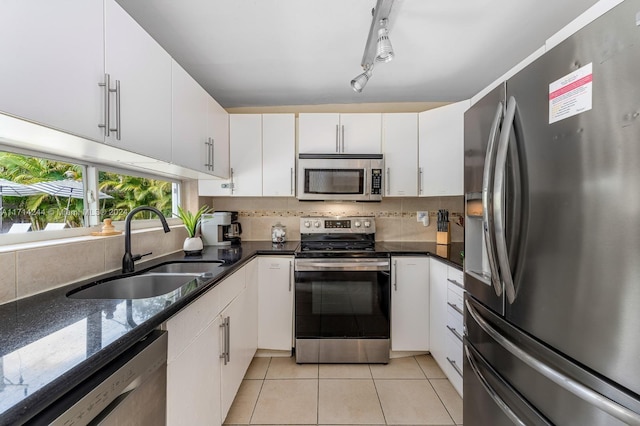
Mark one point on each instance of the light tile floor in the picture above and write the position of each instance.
(407, 391)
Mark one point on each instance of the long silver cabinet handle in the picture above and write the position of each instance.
(578, 389)
(455, 333)
(223, 352)
(419, 180)
(388, 185)
(455, 366)
(498, 201)
(337, 138)
(292, 181)
(212, 148)
(342, 150)
(395, 275)
(492, 393)
(232, 184)
(117, 129)
(107, 104)
(455, 307)
(208, 145)
(487, 200)
(290, 275)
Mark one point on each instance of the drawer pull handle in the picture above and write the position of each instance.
(455, 366)
(455, 333)
(455, 307)
(454, 282)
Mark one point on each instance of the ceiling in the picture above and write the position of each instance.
(255, 53)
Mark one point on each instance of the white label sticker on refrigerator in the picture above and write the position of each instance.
(571, 94)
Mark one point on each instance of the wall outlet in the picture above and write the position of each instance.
(423, 217)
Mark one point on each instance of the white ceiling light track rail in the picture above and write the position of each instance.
(378, 47)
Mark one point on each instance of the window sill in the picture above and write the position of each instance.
(38, 239)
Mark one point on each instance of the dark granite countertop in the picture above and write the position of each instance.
(50, 343)
(450, 254)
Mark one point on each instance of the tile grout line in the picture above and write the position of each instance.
(255, 404)
(442, 402)
(384, 417)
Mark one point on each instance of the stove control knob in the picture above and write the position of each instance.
(367, 224)
(307, 224)
(316, 224)
(357, 224)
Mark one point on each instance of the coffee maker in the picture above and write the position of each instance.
(214, 226)
(232, 231)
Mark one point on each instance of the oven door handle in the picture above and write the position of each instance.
(306, 266)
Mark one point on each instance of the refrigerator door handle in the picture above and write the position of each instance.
(491, 392)
(498, 201)
(567, 383)
(487, 196)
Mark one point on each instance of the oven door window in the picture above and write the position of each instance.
(342, 304)
(334, 181)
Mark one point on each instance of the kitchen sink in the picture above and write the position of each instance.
(135, 286)
(186, 267)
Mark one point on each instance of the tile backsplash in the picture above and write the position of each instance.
(34, 269)
(395, 217)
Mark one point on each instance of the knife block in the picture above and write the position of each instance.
(444, 237)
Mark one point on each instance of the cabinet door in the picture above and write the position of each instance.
(438, 312)
(441, 150)
(189, 136)
(143, 70)
(275, 303)
(240, 352)
(218, 131)
(400, 142)
(410, 304)
(245, 138)
(193, 381)
(318, 133)
(52, 61)
(278, 155)
(361, 133)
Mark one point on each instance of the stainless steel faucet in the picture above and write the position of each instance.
(128, 260)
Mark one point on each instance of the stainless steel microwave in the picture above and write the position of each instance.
(344, 177)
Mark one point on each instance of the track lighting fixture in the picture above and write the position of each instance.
(378, 47)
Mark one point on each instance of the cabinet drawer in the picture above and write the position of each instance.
(454, 353)
(455, 299)
(455, 323)
(455, 277)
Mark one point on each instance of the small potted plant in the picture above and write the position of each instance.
(193, 243)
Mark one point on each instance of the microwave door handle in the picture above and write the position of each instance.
(366, 188)
(337, 138)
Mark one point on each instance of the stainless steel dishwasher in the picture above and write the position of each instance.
(129, 390)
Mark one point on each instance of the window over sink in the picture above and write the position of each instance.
(39, 193)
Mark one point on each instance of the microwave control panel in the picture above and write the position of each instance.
(376, 181)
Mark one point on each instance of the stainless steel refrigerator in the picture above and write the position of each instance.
(552, 236)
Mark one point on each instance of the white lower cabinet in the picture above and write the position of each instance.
(410, 303)
(446, 320)
(275, 306)
(201, 380)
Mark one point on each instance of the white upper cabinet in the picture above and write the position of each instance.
(340, 133)
(245, 138)
(400, 148)
(189, 137)
(141, 71)
(218, 131)
(441, 150)
(278, 155)
(52, 61)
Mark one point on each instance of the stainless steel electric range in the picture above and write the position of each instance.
(342, 292)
